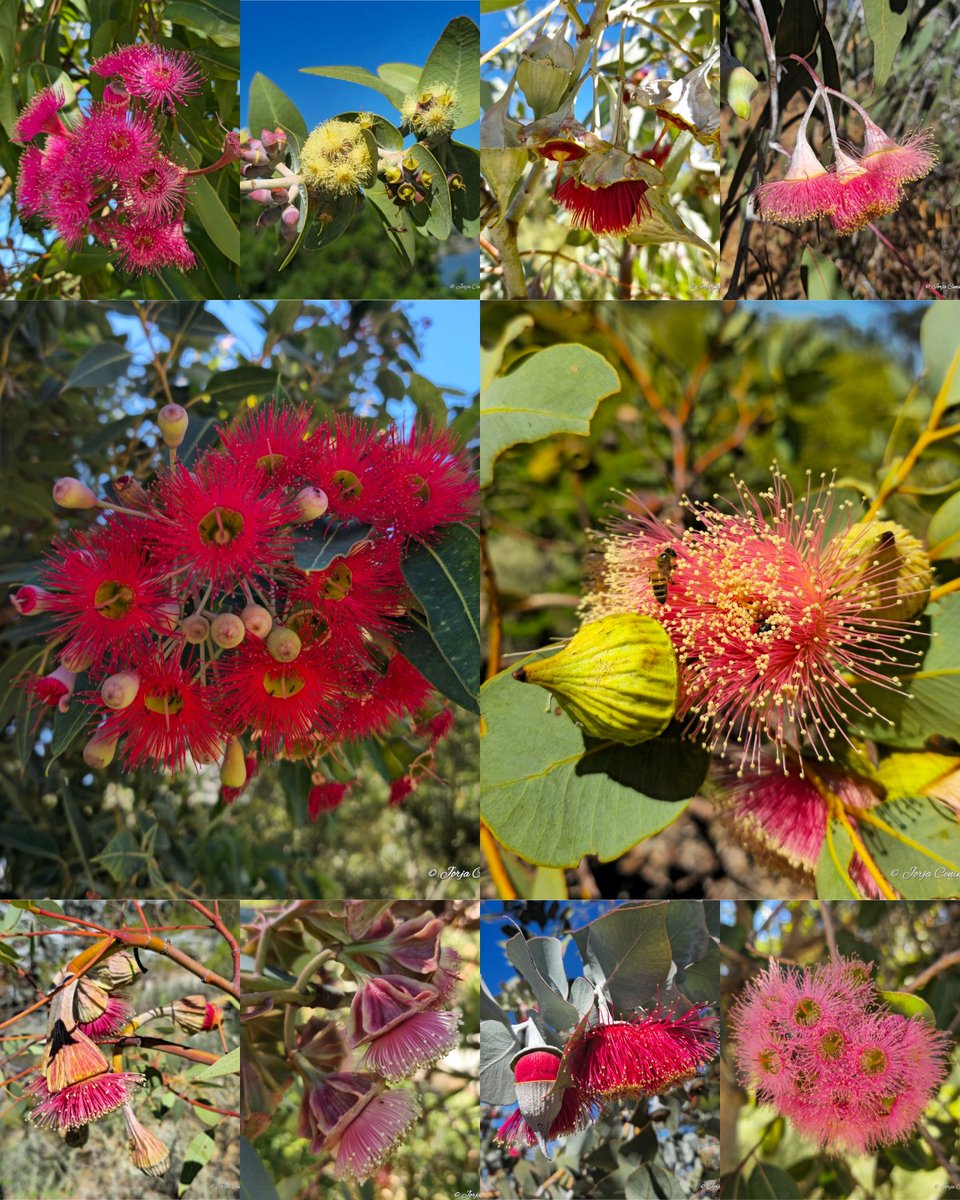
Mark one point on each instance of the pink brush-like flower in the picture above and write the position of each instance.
(603, 210)
(354, 1118)
(862, 194)
(807, 190)
(41, 115)
(394, 1020)
(69, 194)
(31, 182)
(83, 1102)
(157, 191)
(780, 812)
(149, 244)
(164, 78)
(115, 144)
(122, 61)
(647, 1054)
(769, 617)
(902, 162)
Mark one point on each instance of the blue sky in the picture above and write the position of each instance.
(280, 36)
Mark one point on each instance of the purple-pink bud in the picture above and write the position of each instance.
(290, 215)
(260, 196)
(71, 493)
(311, 503)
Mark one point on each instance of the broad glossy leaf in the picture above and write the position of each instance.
(630, 951)
(256, 1182)
(237, 383)
(445, 578)
(465, 201)
(227, 1064)
(102, 365)
(552, 795)
(203, 200)
(700, 982)
(321, 542)
(490, 1010)
(432, 215)
(122, 857)
(68, 726)
(497, 1046)
(833, 865)
(428, 398)
(943, 532)
(768, 1182)
(556, 390)
(397, 222)
(218, 19)
(403, 76)
(361, 76)
(940, 341)
(820, 277)
(919, 850)
(197, 1155)
(886, 22)
(455, 61)
(415, 643)
(909, 1005)
(270, 106)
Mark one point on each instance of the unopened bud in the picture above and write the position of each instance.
(741, 89)
(168, 616)
(260, 196)
(75, 659)
(256, 620)
(120, 690)
(173, 421)
(99, 750)
(269, 216)
(311, 503)
(30, 600)
(233, 770)
(255, 155)
(290, 216)
(283, 644)
(279, 194)
(227, 630)
(194, 629)
(71, 493)
(116, 94)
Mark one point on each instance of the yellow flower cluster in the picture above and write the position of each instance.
(336, 159)
(432, 112)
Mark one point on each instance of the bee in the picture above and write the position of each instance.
(661, 568)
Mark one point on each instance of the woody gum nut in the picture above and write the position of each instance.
(194, 629)
(283, 644)
(233, 770)
(120, 690)
(311, 503)
(616, 678)
(99, 751)
(227, 630)
(71, 493)
(256, 620)
(173, 421)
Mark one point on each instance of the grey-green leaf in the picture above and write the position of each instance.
(455, 62)
(102, 365)
(271, 107)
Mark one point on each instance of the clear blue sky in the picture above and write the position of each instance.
(280, 36)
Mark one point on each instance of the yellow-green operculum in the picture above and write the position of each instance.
(336, 159)
(616, 678)
(893, 572)
(431, 112)
(545, 73)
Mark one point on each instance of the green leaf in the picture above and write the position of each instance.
(943, 532)
(629, 951)
(195, 1158)
(908, 1005)
(320, 233)
(415, 643)
(398, 224)
(255, 1180)
(497, 1046)
(122, 857)
(321, 542)
(556, 390)
(227, 1064)
(455, 62)
(9, 918)
(552, 795)
(465, 201)
(833, 865)
(432, 215)
(820, 277)
(886, 22)
(23, 836)
(427, 397)
(102, 365)
(271, 107)
(768, 1182)
(403, 76)
(11, 671)
(235, 385)
(203, 200)
(445, 578)
(384, 134)
(927, 703)
(940, 342)
(218, 20)
(540, 961)
(361, 76)
(919, 850)
(67, 726)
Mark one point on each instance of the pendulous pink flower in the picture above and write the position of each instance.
(395, 1022)
(83, 1102)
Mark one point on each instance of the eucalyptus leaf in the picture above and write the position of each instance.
(630, 948)
(497, 1046)
(455, 62)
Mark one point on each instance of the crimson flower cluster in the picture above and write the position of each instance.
(203, 639)
(562, 1091)
(822, 1048)
(857, 187)
(355, 1106)
(106, 174)
(76, 1083)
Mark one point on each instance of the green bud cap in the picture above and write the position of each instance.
(173, 421)
(227, 630)
(741, 89)
(616, 678)
(257, 621)
(283, 644)
(233, 769)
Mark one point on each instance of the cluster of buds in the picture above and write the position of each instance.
(561, 1090)
(858, 186)
(105, 174)
(432, 112)
(823, 1048)
(264, 159)
(76, 1083)
(358, 1103)
(197, 630)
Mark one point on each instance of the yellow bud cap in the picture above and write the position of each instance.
(895, 573)
(616, 678)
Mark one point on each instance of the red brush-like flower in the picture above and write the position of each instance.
(41, 116)
(221, 528)
(349, 460)
(83, 1102)
(401, 690)
(610, 209)
(169, 717)
(270, 442)
(105, 594)
(325, 796)
(431, 482)
(544, 1110)
(280, 703)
